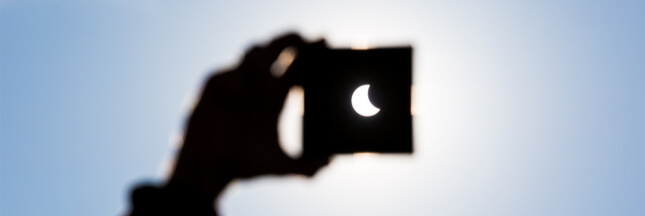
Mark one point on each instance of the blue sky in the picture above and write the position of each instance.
(521, 107)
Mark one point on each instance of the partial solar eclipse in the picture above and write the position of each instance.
(361, 102)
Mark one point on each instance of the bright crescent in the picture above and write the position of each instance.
(361, 102)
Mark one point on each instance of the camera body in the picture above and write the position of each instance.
(330, 78)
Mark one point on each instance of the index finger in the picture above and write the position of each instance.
(276, 46)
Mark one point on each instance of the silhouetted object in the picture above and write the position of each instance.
(231, 134)
(331, 126)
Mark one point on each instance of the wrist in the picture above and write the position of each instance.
(171, 199)
(210, 182)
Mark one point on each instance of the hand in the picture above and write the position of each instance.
(232, 132)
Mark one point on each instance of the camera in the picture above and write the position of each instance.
(355, 100)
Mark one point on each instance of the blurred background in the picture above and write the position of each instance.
(521, 107)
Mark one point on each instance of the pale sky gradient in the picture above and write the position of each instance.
(521, 107)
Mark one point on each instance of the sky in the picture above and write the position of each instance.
(521, 107)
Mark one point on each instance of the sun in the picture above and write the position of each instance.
(361, 102)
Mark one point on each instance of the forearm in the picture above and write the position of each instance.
(171, 199)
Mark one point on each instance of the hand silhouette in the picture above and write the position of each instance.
(232, 132)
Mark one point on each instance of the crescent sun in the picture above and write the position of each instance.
(361, 102)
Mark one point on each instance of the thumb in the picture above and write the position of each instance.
(310, 166)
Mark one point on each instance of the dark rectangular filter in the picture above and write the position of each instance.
(331, 125)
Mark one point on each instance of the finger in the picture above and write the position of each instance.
(253, 57)
(276, 46)
(284, 165)
(310, 166)
(288, 44)
(295, 70)
(258, 60)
